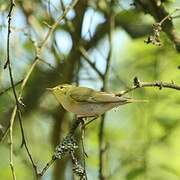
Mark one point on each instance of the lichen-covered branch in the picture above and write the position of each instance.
(67, 147)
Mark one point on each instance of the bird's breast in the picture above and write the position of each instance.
(87, 108)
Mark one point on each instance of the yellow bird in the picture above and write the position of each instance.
(87, 102)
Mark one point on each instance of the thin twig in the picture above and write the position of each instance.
(90, 121)
(49, 7)
(11, 143)
(8, 64)
(66, 10)
(46, 167)
(88, 60)
(9, 88)
(46, 63)
(138, 84)
(169, 16)
(63, 8)
(17, 107)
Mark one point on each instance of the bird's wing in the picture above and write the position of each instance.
(108, 97)
(82, 94)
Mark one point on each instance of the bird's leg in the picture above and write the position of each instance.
(95, 117)
(82, 128)
(82, 136)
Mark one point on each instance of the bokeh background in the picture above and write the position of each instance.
(98, 44)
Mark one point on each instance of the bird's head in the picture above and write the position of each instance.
(60, 90)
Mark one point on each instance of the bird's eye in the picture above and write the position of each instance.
(61, 87)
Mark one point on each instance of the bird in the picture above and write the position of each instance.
(88, 102)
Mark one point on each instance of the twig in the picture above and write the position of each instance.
(46, 167)
(169, 16)
(11, 143)
(88, 59)
(138, 84)
(160, 15)
(90, 121)
(9, 88)
(49, 7)
(154, 38)
(17, 107)
(8, 64)
(66, 10)
(46, 63)
(63, 8)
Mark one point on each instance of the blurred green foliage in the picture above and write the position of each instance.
(142, 140)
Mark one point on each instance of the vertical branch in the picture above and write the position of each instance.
(102, 146)
(17, 107)
(11, 143)
(8, 64)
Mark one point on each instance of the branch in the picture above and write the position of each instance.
(67, 146)
(9, 88)
(159, 13)
(8, 64)
(66, 10)
(88, 60)
(138, 84)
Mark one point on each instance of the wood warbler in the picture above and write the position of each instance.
(87, 102)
